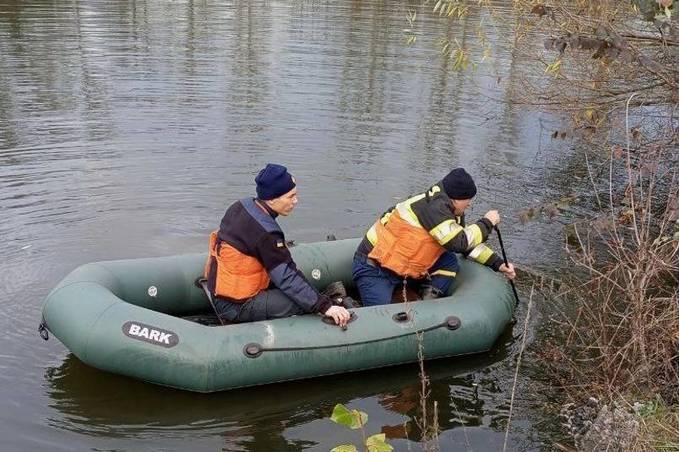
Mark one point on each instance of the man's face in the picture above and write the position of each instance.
(460, 205)
(284, 204)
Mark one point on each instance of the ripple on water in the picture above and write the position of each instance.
(127, 128)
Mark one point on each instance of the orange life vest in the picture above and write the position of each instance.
(405, 249)
(238, 276)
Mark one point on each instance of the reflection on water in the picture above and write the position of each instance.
(126, 128)
(282, 416)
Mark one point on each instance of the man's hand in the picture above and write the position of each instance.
(508, 270)
(493, 216)
(338, 314)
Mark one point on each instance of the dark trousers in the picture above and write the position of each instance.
(268, 304)
(376, 284)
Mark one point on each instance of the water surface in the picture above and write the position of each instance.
(127, 128)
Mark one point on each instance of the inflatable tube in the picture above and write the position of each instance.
(125, 317)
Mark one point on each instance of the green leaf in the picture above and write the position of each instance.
(341, 415)
(344, 448)
(376, 437)
(353, 419)
(554, 68)
(377, 443)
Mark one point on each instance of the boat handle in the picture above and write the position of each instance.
(43, 331)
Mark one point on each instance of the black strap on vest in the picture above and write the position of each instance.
(202, 283)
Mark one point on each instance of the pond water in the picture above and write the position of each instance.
(126, 129)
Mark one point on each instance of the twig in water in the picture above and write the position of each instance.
(518, 365)
(429, 432)
(464, 429)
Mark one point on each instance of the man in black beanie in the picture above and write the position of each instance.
(417, 239)
(248, 253)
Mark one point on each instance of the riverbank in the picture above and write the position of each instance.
(611, 347)
(619, 426)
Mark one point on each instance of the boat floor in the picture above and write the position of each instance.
(210, 318)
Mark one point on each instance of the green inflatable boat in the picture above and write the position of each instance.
(128, 317)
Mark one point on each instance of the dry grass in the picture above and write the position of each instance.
(615, 322)
(615, 328)
(624, 335)
(429, 427)
(659, 427)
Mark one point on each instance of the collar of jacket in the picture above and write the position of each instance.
(266, 208)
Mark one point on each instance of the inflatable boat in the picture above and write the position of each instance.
(131, 317)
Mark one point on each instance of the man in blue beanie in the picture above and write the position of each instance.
(250, 272)
(417, 240)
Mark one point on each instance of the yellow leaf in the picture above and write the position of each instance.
(486, 54)
(344, 448)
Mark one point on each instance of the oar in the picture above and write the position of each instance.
(504, 256)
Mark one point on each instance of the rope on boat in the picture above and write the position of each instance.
(254, 350)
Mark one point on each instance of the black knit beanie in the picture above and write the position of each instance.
(458, 184)
(273, 181)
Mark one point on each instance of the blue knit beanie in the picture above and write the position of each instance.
(273, 181)
(458, 184)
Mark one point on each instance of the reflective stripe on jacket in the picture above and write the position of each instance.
(404, 248)
(411, 236)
